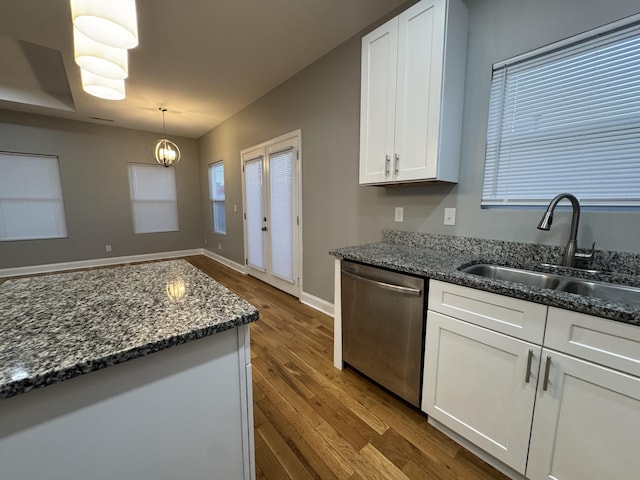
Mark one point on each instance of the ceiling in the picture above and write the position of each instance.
(203, 60)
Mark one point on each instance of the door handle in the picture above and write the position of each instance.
(396, 163)
(387, 165)
(527, 376)
(386, 286)
(545, 384)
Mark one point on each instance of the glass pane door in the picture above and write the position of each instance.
(281, 213)
(254, 191)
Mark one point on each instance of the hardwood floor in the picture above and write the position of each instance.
(313, 421)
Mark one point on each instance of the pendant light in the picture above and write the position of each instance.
(106, 88)
(103, 31)
(167, 153)
(100, 59)
(110, 22)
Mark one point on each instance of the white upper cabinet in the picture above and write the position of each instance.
(412, 94)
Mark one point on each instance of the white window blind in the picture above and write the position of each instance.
(31, 204)
(567, 120)
(216, 196)
(281, 171)
(253, 172)
(153, 198)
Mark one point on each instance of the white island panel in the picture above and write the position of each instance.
(174, 414)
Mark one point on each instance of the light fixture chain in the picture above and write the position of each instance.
(164, 129)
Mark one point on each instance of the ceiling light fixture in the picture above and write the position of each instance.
(167, 153)
(102, 87)
(100, 59)
(113, 23)
(102, 33)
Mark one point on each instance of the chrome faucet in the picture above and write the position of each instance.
(571, 251)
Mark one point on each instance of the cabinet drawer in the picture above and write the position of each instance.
(511, 316)
(607, 342)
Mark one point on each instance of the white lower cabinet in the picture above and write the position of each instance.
(586, 424)
(482, 385)
(482, 382)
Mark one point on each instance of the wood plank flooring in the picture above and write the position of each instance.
(313, 421)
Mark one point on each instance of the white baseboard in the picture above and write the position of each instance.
(317, 303)
(238, 267)
(306, 298)
(96, 262)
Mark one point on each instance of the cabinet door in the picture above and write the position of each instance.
(377, 103)
(420, 63)
(481, 384)
(586, 424)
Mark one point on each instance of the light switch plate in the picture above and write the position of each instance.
(449, 216)
(399, 214)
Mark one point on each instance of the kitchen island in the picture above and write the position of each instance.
(139, 371)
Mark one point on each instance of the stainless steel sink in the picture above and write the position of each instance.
(527, 277)
(606, 291)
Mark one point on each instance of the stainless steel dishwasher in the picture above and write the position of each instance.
(383, 327)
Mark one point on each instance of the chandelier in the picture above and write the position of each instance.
(167, 153)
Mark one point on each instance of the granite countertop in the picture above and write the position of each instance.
(56, 327)
(440, 257)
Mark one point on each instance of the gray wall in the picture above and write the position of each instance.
(95, 183)
(323, 100)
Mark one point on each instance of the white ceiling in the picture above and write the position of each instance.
(203, 60)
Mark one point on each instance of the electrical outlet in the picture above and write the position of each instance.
(107, 248)
(399, 214)
(219, 246)
(449, 216)
(205, 240)
(235, 208)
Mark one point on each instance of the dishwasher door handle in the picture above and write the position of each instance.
(387, 286)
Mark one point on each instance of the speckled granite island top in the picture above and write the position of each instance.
(56, 327)
(440, 257)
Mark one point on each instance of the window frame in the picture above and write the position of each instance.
(220, 202)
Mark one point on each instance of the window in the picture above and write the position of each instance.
(153, 198)
(31, 205)
(566, 118)
(216, 195)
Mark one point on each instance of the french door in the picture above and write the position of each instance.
(271, 178)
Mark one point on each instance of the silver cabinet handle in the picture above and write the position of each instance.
(396, 167)
(546, 373)
(387, 165)
(387, 286)
(527, 376)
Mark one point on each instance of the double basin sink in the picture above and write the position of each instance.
(612, 292)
